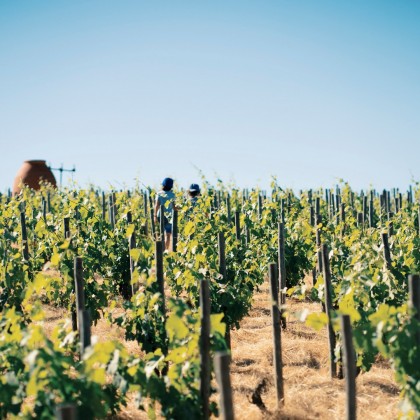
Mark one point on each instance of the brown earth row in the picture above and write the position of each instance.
(309, 391)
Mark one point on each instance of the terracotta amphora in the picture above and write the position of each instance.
(31, 173)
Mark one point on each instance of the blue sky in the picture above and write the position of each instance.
(308, 91)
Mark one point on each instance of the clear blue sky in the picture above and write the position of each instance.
(309, 91)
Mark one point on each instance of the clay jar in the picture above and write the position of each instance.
(31, 173)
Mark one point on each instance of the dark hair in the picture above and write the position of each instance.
(167, 184)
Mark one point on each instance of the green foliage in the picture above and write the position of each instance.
(47, 370)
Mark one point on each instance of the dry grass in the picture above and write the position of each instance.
(309, 391)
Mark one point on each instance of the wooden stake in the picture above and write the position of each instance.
(414, 298)
(66, 411)
(131, 245)
(205, 366)
(349, 362)
(221, 364)
(103, 205)
(159, 245)
(228, 209)
(174, 230)
(162, 222)
(25, 250)
(66, 227)
(371, 213)
(84, 330)
(44, 209)
(275, 315)
(222, 255)
(237, 225)
(328, 309)
(282, 271)
(152, 222)
(79, 287)
(111, 211)
(387, 252)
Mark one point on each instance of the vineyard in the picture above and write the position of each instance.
(98, 258)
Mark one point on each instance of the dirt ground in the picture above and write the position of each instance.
(309, 391)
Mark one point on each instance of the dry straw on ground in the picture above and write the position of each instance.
(309, 391)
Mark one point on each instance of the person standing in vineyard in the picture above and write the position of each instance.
(165, 197)
(193, 193)
(192, 197)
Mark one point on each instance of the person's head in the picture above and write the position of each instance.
(167, 184)
(194, 190)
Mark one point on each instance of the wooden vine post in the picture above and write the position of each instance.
(146, 214)
(371, 211)
(44, 209)
(244, 198)
(349, 362)
(332, 205)
(79, 285)
(260, 204)
(221, 366)
(282, 272)
(418, 220)
(343, 217)
(275, 316)
(25, 246)
(414, 299)
(83, 316)
(145, 204)
(312, 216)
(318, 234)
(237, 225)
(223, 272)
(390, 224)
(387, 252)
(228, 209)
(152, 222)
(66, 411)
(162, 222)
(360, 220)
(222, 255)
(159, 245)
(150, 202)
(282, 211)
(111, 211)
(174, 230)
(66, 227)
(114, 205)
(84, 330)
(103, 205)
(49, 202)
(328, 309)
(365, 208)
(205, 365)
(131, 246)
